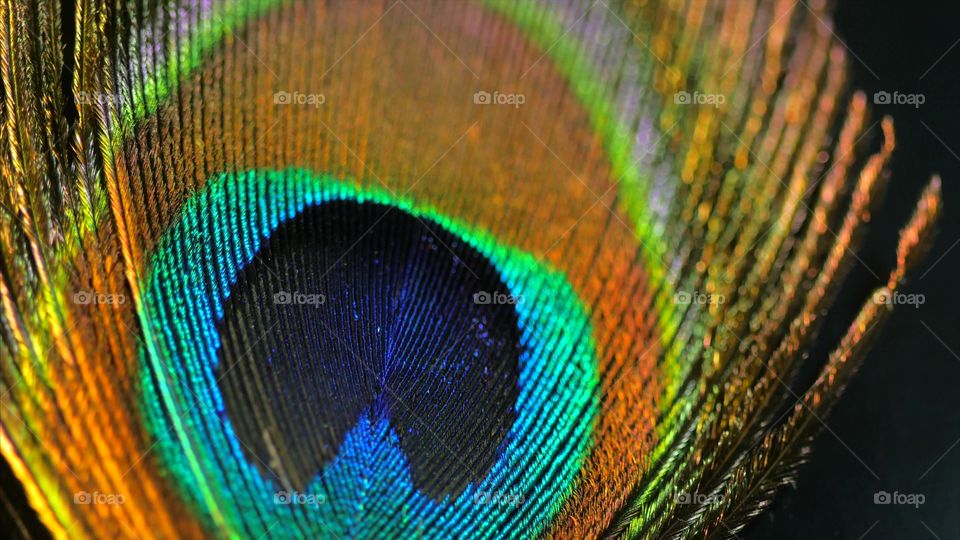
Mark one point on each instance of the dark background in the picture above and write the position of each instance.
(899, 417)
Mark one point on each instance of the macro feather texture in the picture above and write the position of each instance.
(424, 268)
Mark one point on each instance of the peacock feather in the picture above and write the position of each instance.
(423, 268)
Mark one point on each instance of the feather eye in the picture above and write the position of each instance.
(488, 268)
(358, 347)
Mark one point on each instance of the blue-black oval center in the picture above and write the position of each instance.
(357, 308)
